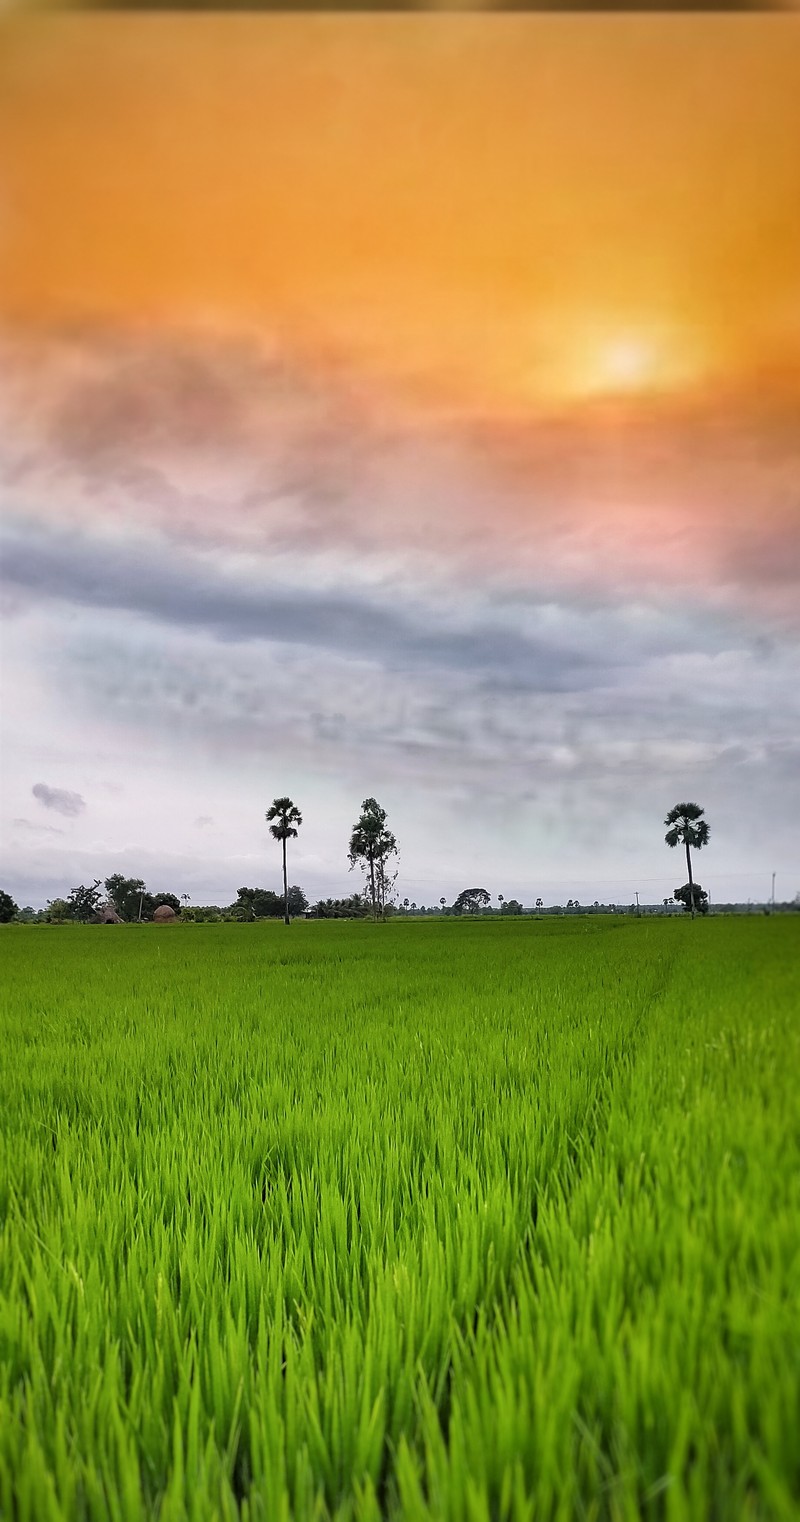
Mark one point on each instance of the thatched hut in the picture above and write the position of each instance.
(164, 915)
(107, 915)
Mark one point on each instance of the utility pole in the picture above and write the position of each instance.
(773, 890)
(638, 911)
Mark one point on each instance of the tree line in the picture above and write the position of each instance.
(373, 850)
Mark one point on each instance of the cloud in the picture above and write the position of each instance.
(253, 446)
(28, 827)
(243, 603)
(59, 799)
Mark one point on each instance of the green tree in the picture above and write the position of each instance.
(511, 906)
(83, 902)
(126, 894)
(372, 846)
(693, 897)
(284, 820)
(7, 908)
(164, 898)
(472, 901)
(686, 826)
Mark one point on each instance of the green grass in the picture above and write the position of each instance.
(470, 1222)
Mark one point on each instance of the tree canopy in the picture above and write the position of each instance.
(472, 901)
(686, 826)
(372, 846)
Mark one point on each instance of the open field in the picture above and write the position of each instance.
(447, 1220)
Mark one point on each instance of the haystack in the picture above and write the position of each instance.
(164, 914)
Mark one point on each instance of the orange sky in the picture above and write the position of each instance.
(508, 208)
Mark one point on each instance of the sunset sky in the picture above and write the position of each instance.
(405, 406)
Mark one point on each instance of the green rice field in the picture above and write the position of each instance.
(431, 1220)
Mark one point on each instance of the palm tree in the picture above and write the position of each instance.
(287, 822)
(686, 826)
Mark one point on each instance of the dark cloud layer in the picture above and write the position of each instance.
(191, 592)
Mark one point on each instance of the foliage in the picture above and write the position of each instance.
(263, 903)
(354, 908)
(284, 820)
(7, 908)
(132, 900)
(685, 894)
(469, 1221)
(472, 901)
(372, 847)
(126, 893)
(511, 906)
(686, 826)
(30, 916)
(83, 902)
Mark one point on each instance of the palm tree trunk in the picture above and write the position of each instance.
(285, 887)
(372, 885)
(691, 882)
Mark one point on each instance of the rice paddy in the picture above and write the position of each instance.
(490, 1222)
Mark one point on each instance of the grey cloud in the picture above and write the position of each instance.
(28, 827)
(147, 580)
(59, 799)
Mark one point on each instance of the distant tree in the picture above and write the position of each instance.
(284, 820)
(298, 903)
(26, 916)
(405, 905)
(128, 894)
(442, 902)
(500, 901)
(260, 904)
(354, 908)
(569, 903)
(372, 847)
(540, 903)
(511, 906)
(472, 901)
(171, 899)
(413, 908)
(7, 908)
(686, 826)
(693, 898)
(83, 902)
(57, 910)
(184, 899)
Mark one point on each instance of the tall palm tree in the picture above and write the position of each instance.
(686, 826)
(287, 819)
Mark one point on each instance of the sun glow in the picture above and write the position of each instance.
(597, 361)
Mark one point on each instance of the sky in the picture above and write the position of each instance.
(404, 406)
